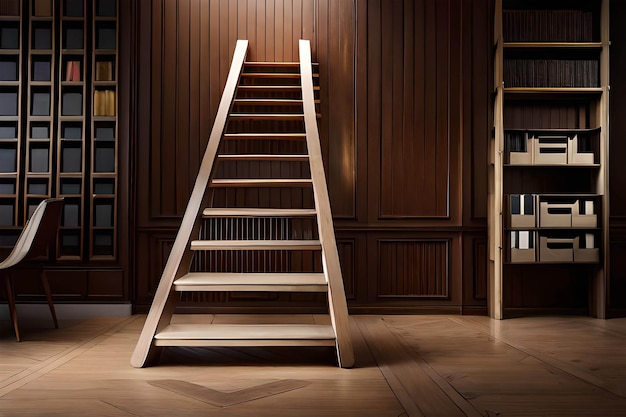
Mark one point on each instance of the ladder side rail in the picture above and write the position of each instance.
(330, 257)
(180, 256)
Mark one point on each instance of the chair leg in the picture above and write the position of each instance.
(46, 287)
(11, 299)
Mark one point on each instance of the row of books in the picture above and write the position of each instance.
(551, 73)
(547, 26)
(104, 103)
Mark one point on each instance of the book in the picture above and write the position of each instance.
(70, 215)
(8, 70)
(106, 8)
(528, 207)
(42, 38)
(37, 188)
(73, 38)
(72, 71)
(515, 204)
(589, 241)
(39, 160)
(8, 159)
(106, 38)
(71, 159)
(9, 38)
(72, 104)
(104, 103)
(104, 71)
(6, 214)
(8, 132)
(73, 8)
(98, 102)
(72, 132)
(41, 104)
(8, 104)
(522, 239)
(110, 103)
(39, 132)
(41, 70)
(43, 8)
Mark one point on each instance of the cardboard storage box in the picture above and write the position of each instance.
(556, 249)
(551, 150)
(556, 214)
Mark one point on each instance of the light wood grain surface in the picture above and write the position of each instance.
(404, 366)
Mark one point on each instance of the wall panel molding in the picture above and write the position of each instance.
(413, 268)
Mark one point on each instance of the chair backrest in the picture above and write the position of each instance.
(37, 234)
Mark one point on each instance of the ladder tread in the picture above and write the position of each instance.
(271, 74)
(246, 335)
(263, 157)
(275, 64)
(257, 212)
(269, 135)
(292, 244)
(263, 116)
(270, 101)
(262, 182)
(273, 87)
(236, 281)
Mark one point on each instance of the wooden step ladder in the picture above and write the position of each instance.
(278, 85)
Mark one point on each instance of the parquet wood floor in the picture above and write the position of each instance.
(444, 366)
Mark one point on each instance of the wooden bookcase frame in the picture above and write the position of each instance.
(73, 37)
(499, 184)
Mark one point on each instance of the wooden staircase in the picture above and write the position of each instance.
(281, 96)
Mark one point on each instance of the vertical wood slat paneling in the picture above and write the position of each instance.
(192, 45)
(413, 268)
(415, 128)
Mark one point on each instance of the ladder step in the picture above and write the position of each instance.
(270, 74)
(266, 116)
(255, 245)
(264, 136)
(245, 335)
(263, 157)
(269, 101)
(273, 87)
(224, 281)
(257, 212)
(262, 182)
(276, 64)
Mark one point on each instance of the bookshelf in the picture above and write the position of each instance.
(104, 131)
(40, 105)
(548, 190)
(71, 127)
(10, 118)
(58, 121)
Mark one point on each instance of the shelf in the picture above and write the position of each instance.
(548, 195)
(552, 45)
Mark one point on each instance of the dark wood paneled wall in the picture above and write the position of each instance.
(405, 124)
(617, 173)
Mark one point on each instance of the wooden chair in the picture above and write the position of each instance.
(34, 240)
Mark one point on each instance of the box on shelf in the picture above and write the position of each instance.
(585, 249)
(522, 210)
(550, 150)
(553, 249)
(522, 246)
(553, 214)
(520, 148)
(575, 157)
(583, 214)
